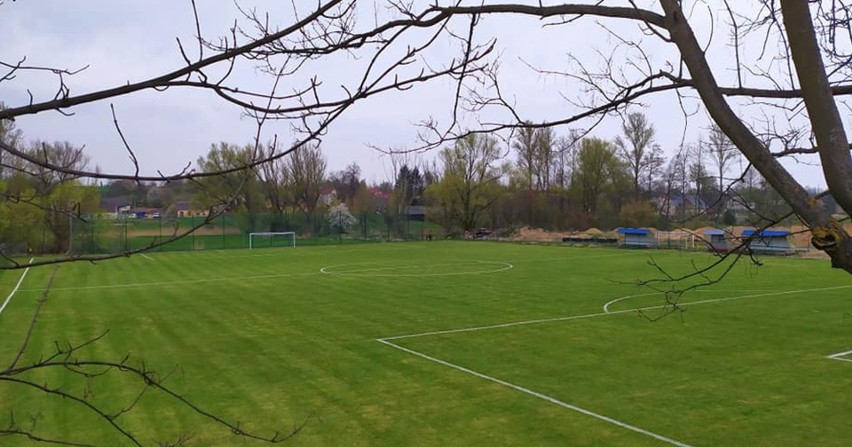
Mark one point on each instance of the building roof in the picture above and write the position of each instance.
(766, 233)
(686, 200)
(714, 232)
(639, 231)
(416, 210)
(114, 203)
(379, 194)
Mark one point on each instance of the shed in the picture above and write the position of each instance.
(416, 212)
(769, 241)
(716, 238)
(635, 237)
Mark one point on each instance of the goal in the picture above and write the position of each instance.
(272, 239)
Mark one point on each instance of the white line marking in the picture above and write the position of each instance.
(536, 394)
(328, 270)
(504, 325)
(23, 275)
(600, 314)
(146, 257)
(555, 401)
(606, 306)
(839, 356)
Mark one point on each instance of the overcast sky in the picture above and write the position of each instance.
(128, 41)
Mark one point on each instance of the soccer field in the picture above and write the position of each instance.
(444, 343)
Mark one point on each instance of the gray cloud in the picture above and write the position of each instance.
(132, 40)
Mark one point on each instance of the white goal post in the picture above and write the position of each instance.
(271, 235)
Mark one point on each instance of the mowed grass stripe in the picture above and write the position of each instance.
(271, 350)
(681, 380)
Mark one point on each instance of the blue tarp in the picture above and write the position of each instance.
(714, 232)
(640, 231)
(766, 233)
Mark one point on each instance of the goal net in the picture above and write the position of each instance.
(272, 239)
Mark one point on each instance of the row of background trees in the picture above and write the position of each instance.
(537, 178)
(571, 182)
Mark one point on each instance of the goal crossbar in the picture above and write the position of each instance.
(272, 234)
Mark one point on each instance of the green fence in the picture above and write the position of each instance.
(103, 234)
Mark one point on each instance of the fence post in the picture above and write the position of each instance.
(126, 242)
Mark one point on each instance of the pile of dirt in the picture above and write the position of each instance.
(702, 231)
(530, 234)
(800, 237)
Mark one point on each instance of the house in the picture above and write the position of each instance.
(768, 241)
(687, 203)
(144, 213)
(184, 208)
(328, 195)
(636, 237)
(716, 238)
(380, 198)
(115, 206)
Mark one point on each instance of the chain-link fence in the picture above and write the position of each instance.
(108, 234)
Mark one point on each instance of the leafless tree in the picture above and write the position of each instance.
(635, 148)
(305, 171)
(721, 152)
(653, 170)
(296, 100)
(524, 146)
(796, 86)
(75, 360)
(287, 53)
(798, 83)
(275, 179)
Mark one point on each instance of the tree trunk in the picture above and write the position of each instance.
(822, 110)
(827, 234)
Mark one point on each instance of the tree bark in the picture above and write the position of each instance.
(816, 91)
(827, 234)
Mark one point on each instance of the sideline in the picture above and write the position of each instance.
(386, 341)
(23, 275)
(839, 356)
(538, 395)
(601, 314)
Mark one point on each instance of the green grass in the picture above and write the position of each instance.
(263, 337)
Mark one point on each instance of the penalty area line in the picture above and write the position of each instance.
(18, 285)
(606, 312)
(839, 356)
(536, 394)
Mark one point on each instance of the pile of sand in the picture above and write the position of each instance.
(537, 235)
(800, 236)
